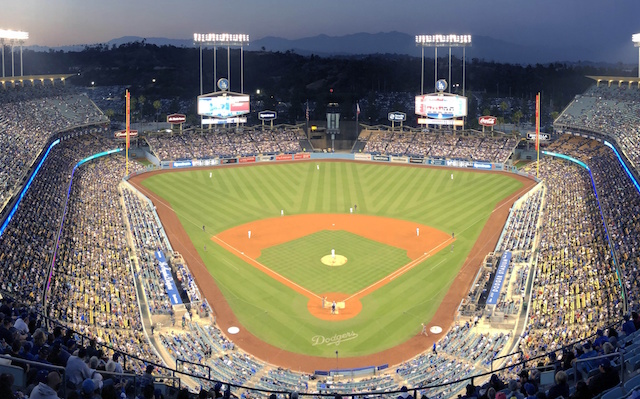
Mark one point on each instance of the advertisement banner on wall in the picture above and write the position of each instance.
(229, 160)
(198, 162)
(247, 159)
(494, 294)
(302, 156)
(482, 165)
(284, 157)
(181, 164)
(416, 160)
(438, 162)
(362, 157)
(169, 283)
(400, 159)
(459, 163)
(266, 158)
(381, 158)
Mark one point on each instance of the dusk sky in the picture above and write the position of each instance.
(586, 23)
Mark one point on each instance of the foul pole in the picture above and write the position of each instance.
(538, 134)
(128, 120)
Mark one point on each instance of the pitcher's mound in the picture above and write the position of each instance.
(329, 260)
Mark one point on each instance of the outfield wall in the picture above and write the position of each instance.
(306, 156)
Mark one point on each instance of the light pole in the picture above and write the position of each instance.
(222, 39)
(12, 37)
(443, 41)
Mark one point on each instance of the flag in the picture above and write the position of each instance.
(307, 113)
(357, 108)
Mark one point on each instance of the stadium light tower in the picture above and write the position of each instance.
(436, 41)
(12, 37)
(636, 42)
(222, 39)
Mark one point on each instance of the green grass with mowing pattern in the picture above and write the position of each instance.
(367, 261)
(278, 315)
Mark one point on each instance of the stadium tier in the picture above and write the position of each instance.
(93, 289)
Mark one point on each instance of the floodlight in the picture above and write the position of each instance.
(443, 40)
(221, 39)
(636, 39)
(13, 34)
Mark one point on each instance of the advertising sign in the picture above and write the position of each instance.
(176, 118)
(223, 121)
(441, 106)
(223, 106)
(247, 159)
(266, 158)
(487, 120)
(543, 136)
(397, 116)
(302, 156)
(182, 164)
(494, 294)
(284, 157)
(169, 283)
(481, 165)
(444, 122)
(122, 134)
(416, 160)
(380, 158)
(267, 115)
(400, 159)
(362, 157)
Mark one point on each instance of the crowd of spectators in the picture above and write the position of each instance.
(611, 110)
(575, 290)
(27, 124)
(226, 143)
(468, 146)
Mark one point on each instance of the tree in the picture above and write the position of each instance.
(142, 99)
(516, 117)
(157, 105)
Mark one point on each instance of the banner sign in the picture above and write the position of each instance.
(492, 299)
(416, 160)
(284, 157)
(302, 156)
(481, 165)
(247, 159)
(181, 164)
(400, 159)
(459, 164)
(229, 160)
(362, 157)
(381, 158)
(169, 284)
(266, 158)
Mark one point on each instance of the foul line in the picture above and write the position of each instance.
(398, 272)
(266, 270)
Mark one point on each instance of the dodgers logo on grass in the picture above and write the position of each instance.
(336, 339)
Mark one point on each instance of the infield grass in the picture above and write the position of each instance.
(367, 261)
(278, 315)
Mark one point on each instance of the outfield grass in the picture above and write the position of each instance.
(367, 261)
(278, 315)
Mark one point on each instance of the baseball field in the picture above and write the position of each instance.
(266, 233)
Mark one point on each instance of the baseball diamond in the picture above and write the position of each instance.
(279, 306)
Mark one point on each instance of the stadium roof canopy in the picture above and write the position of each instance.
(619, 80)
(34, 78)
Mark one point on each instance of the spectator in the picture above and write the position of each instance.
(606, 378)
(48, 390)
(560, 388)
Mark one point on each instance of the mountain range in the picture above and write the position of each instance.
(484, 47)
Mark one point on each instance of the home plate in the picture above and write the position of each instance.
(235, 330)
(434, 329)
